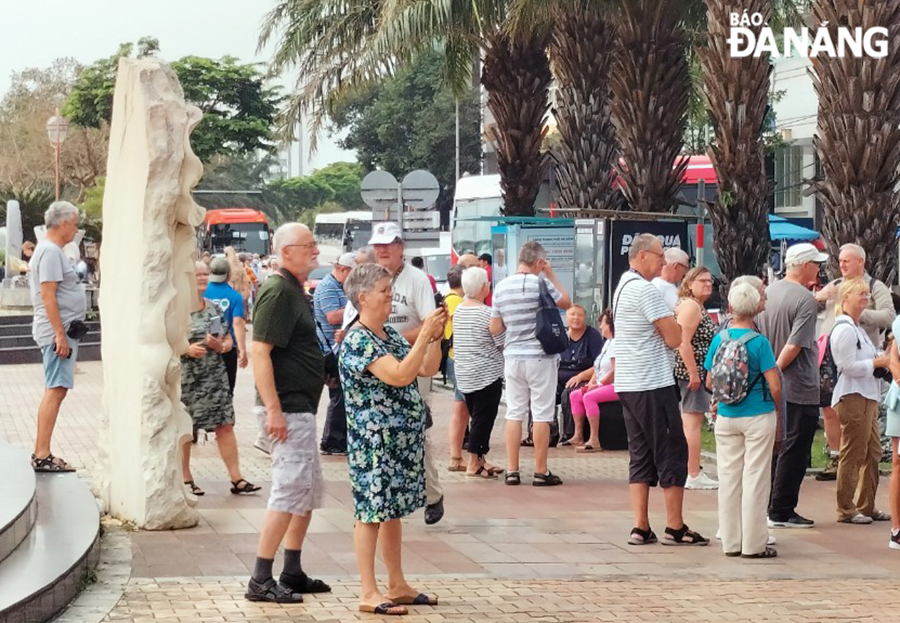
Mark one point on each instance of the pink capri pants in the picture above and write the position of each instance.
(589, 403)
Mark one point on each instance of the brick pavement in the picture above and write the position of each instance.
(500, 552)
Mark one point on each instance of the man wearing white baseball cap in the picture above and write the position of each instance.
(413, 301)
(789, 323)
(329, 302)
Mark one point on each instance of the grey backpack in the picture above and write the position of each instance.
(730, 371)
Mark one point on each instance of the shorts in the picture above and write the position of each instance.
(531, 383)
(451, 376)
(656, 444)
(297, 483)
(59, 372)
(696, 401)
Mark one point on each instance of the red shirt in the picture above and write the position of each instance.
(433, 283)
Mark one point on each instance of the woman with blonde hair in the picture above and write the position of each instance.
(697, 333)
(855, 400)
(238, 277)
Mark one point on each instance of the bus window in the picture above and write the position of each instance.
(249, 237)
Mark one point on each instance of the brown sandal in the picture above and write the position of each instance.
(386, 609)
(456, 465)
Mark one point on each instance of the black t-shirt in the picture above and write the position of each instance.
(580, 355)
(283, 317)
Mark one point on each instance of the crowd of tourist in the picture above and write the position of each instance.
(375, 333)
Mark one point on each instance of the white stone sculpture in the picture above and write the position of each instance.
(149, 220)
(13, 237)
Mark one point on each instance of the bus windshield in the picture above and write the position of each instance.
(249, 237)
(470, 235)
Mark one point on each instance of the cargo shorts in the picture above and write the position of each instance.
(297, 483)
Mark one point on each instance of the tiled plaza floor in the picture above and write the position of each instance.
(500, 554)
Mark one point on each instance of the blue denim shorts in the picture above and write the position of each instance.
(451, 376)
(59, 372)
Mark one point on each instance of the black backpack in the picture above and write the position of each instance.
(549, 329)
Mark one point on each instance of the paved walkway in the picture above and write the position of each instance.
(500, 554)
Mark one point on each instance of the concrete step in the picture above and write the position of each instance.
(87, 351)
(17, 492)
(52, 564)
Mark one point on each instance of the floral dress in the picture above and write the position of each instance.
(385, 430)
(204, 381)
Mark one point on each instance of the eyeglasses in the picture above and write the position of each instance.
(660, 254)
(308, 245)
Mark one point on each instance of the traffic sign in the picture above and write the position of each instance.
(420, 189)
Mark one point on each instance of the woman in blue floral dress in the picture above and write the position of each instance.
(385, 431)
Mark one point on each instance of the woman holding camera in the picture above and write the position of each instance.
(204, 386)
(855, 399)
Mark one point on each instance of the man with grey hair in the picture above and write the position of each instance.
(646, 338)
(877, 317)
(676, 267)
(59, 311)
(364, 255)
(789, 323)
(530, 372)
(288, 369)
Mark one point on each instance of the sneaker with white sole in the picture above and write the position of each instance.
(702, 482)
(894, 543)
(858, 519)
(795, 521)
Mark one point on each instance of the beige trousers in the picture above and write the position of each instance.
(433, 489)
(860, 452)
(744, 461)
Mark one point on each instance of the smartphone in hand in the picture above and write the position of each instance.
(215, 326)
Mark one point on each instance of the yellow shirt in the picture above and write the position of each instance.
(453, 300)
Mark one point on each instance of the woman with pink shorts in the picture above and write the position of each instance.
(586, 401)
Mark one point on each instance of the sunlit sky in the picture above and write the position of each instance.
(35, 32)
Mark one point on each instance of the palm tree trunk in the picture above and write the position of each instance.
(580, 54)
(736, 91)
(858, 137)
(517, 77)
(650, 86)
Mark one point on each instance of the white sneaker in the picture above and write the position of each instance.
(858, 519)
(701, 483)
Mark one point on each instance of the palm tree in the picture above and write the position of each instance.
(338, 46)
(858, 137)
(650, 87)
(582, 39)
(736, 92)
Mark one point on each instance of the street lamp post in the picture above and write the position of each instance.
(56, 132)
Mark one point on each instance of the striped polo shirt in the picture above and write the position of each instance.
(516, 303)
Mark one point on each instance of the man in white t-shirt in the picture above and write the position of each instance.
(646, 337)
(531, 374)
(413, 301)
(676, 267)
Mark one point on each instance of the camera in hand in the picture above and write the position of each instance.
(883, 374)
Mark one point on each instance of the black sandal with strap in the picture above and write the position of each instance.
(248, 487)
(684, 536)
(50, 464)
(194, 488)
(546, 480)
(513, 478)
(644, 537)
(303, 583)
(769, 552)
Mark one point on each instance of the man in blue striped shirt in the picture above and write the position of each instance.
(329, 302)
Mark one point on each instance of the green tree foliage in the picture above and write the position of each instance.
(344, 179)
(336, 186)
(238, 109)
(408, 122)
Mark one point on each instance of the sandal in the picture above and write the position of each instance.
(588, 449)
(50, 464)
(642, 537)
(194, 488)
(419, 600)
(546, 480)
(456, 465)
(386, 609)
(513, 478)
(684, 536)
(482, 474)
(248, 487)
(494, 470)
(769, 552)
(272, 592)
(303, 583)
(528, 442)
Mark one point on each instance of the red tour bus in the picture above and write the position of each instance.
(245, 229)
